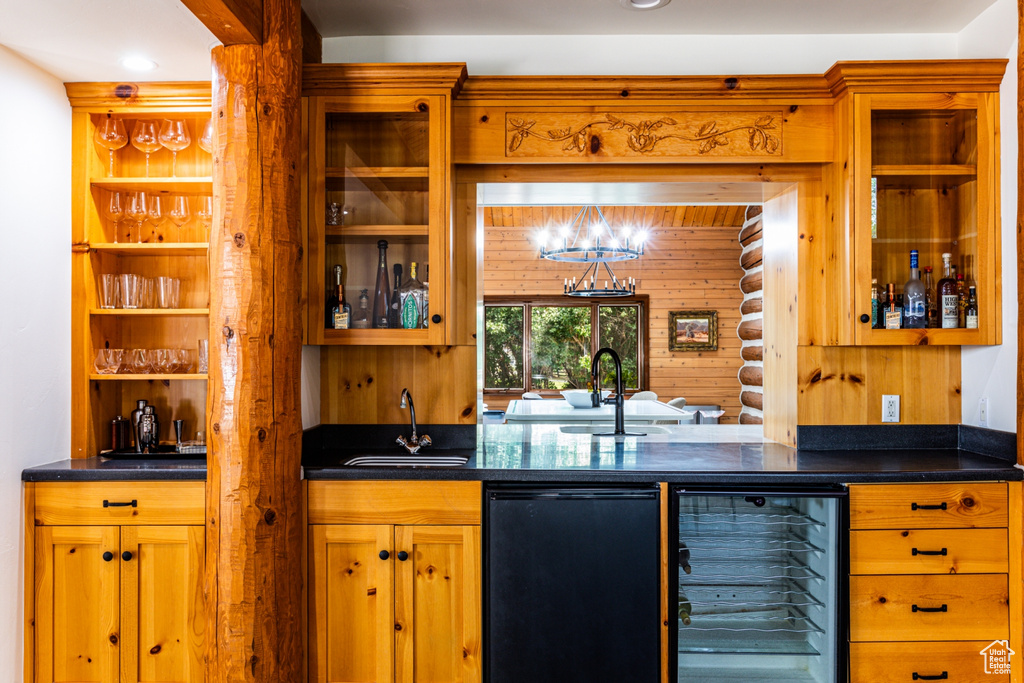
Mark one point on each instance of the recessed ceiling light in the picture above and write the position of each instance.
(641, 5)
(138, 63)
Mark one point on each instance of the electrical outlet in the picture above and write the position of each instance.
(890, 408)
(983, 412)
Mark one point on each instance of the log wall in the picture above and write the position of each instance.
(751, 394)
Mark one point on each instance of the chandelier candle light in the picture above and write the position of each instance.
(595, 243)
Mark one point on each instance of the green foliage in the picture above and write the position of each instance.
(503, 347)
(560, 338)
(618, 330)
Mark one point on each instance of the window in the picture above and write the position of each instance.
(546, 345)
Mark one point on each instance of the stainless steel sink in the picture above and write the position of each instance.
(407, 460)
(647, 430)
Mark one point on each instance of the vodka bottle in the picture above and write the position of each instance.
(914, 297)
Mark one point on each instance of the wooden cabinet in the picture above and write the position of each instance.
(115, 604)
(935, 573)
(163, 243)
(379, 155)
(395, 601)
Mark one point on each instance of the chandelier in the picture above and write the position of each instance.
(590, 239)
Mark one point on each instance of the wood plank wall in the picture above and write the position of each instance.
(692, 262)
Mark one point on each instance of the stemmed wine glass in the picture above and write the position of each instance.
(137, 211)
(180, 212)
(204, 214)
(206, 139)
(111, 135)
(174, 136)
(145, 138)
(113, 209)
(154, 212)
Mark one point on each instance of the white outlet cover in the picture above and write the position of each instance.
(890, 408)
(983, 412)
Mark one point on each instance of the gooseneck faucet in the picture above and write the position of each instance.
(414, 442)
(620, 399)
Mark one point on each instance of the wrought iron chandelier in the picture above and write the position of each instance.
(587, 286)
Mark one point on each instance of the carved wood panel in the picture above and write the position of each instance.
(644, 134)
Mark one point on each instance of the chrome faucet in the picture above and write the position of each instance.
(620, 399)
(414, 442)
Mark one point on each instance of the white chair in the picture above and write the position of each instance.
(531, 396)
(644, 396)
(679, 403)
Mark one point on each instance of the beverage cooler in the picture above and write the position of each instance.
(758, 581)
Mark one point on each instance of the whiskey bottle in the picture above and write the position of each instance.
(411, 298)
(394, 317)
(341, 311)
(931, 312)
(893, 312)
(382, 294)
(971, 312)
(949, 306)
(361, 321)
(961, 301)
(332, 298)
(914, 297)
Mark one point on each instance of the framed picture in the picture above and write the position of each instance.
(693, 331)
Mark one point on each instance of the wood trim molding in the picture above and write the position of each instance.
(426, 79)
(184, 94)
(233, 22)
(954, 75)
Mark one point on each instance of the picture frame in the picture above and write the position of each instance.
(693, 331)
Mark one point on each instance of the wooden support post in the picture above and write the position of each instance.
(253, 488)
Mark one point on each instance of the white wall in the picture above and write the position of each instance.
(989, 371)
(35, 336)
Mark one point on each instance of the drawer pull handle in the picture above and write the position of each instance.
(915, 608)
(915, 506)
(115, 504)
(916, 552)
(941, 677)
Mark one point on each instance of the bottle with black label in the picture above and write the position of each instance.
(971, 312)
(394, 314)
(341, 311)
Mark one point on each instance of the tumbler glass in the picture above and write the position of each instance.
(108, 290)
(130, 289)
(203, 362)
(168, 290)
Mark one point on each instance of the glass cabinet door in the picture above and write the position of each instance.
(378, 211)
(924, 184)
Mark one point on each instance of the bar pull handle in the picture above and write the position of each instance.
(915, 506)
(915, 552)
(941, 677)
(915, 608)
(115, 504)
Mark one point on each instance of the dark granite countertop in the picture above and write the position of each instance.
(546, 453)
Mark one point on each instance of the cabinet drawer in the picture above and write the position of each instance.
(898, 608)
(120, 502)
(928, 506)
(929, 551)
(394, 502)
(961, 662)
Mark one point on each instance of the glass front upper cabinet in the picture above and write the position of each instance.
(925, 181)
(378, 211)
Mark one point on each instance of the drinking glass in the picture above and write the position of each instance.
(174, 136)
(183, 359)
(138, 361)
(206, 139)
(168, 290)
(108, 290)
(180, 212)
(137, 211)
(146, 139)
(108, 361)
(154, 212)
(203, 357)
(130, 288)
(111, 135)
(204, 214)
(161, 361)
(113, 209)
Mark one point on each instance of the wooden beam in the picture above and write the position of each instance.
(254, 517)
(233, 22)
(312, 43)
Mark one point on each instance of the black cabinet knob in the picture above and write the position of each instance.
(402, 556)
(126, 556)
(435, 318)
(108, 556)
(384, 554)
(865, 318)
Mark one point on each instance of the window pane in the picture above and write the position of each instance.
(618, 330)
(560, 347)
(503, 347)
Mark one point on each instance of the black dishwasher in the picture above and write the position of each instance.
(572, 584)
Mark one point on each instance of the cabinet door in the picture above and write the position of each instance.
(162, 617)
(378, 170)
(77, 593)
(925, 179)
(351, 604)
(437, 604)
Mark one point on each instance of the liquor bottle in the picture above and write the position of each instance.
(913, 297)
(893, 312)
(382, 294)
(361, 321)
(961, 301)
(411, 297)
(341, 311)
(971, 312)
(394, 317)
(426, 297)
(332, 298)
(931, 312)
(876, 303)
(947, 299)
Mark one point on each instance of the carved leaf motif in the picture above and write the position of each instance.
(721, 140)
(580, 140)
(515, 122)
(558, 133)
(771, 144)
(765, 121)
(707, 128)
(755, 142)
(615, 121)
(669, 121)
(516, 140)
(706, 146)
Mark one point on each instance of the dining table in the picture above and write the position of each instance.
(636, 411)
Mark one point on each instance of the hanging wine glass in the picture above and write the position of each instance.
(206, 139)
(111, 135)
(137, 212)
(175, 137)
(113, 210)
(180, 212)
(145, 138)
